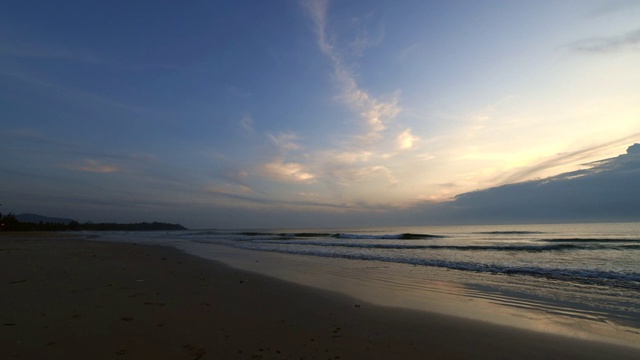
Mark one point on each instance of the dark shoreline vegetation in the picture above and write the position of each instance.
(11, 222)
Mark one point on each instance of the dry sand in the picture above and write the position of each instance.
(75, 299)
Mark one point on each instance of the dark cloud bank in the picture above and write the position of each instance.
(607, 190)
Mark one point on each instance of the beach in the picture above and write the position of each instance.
(65, 297)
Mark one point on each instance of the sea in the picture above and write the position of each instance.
(584, 277)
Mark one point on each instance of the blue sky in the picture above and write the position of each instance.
(304, 113)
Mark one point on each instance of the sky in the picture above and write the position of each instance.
(256, 114)
(603, 191)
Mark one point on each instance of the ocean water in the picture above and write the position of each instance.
(577, 271)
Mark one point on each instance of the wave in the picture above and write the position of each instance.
(404, 236)
(260, 235)
(346, 245)
(513, 232)
(584, 276)
(591, 240)
(307, 234)
(203, 233)
(525, 248)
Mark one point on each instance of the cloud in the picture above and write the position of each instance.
(285, 141)
(363, 40)
(409, 51)
(375, 113)
(288, 172)
(247, 124)
(606, 191)
(351, 175)
(360, 158)
(95, 167)
(406, 140)
(238, 179)
(565, 158)
(634, 149)
(317, 9)
(425, 157)
(228, 189)
(348, 157)
(602, 45)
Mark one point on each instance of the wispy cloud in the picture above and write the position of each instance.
(350, 175)
(600, 45)
(237, 179)
(246, 122)
(95, 166)
(285, 165)
(566, 158)
(228, 189)
(375, 113)
(363, 38)
(360, 161)
(288, 172)
(285, 141)
(347, 157)
(409, 51)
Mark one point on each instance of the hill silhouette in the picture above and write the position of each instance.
(34, 222)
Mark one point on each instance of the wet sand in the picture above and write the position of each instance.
(66, 298)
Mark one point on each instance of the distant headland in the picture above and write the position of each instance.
(33, 222)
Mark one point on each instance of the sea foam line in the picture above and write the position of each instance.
(586, 276)
(527, 248)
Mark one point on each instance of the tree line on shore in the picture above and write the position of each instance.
(10, 222)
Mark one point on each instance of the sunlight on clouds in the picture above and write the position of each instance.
(425, 157)
(287, 171)
(352, 176)
(363, 105)
(361, 164)
(310, 195)
(374, 112)
(442, 195)
(347, 157)
(95, 167)
(523, 135)
(391, 162)
(406, 139)
(377, 113)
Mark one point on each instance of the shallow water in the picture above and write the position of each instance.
(575, 279)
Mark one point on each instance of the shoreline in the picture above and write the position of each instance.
(427, 289)
(73, 297)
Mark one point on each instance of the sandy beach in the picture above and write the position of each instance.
(67, 298)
